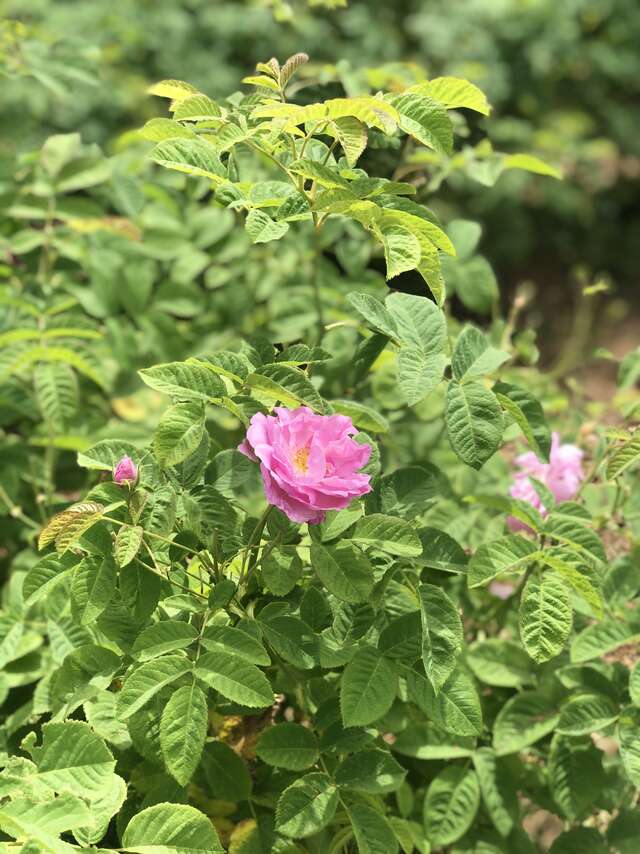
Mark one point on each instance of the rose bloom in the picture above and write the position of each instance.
(562, 475)
(126, 471)
(309, 462)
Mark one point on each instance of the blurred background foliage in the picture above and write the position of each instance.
(564, 80)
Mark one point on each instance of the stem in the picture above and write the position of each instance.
(254, 540)
(16, 511)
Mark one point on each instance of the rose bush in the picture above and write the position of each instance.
(306, 655)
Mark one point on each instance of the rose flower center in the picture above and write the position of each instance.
(301, 460)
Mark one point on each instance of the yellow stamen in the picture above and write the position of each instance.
(300, 460)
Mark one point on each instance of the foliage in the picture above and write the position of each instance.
(187, 670)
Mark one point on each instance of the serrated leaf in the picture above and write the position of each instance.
(370, 770)
(179, 433)
(226, 773)
(262, 229)
(192, 156)
(500, 799)
(474, 422)
(523, 720)
(288, 745)
(508, 554)
(545, 615)
(624, 458)
(450, 805)
(127, 543)
(628, 727)
(441, 634)
(183, 728)
(372, 831)
(146, 680)
(237, 642)
(388, 534)
(600, 638)
(93, 585)
(502, 663)
(528, 414)
(575, 775)
(171, 829)
(454, 92)
(289, 386)
(177, 90)
(167, 636)
(426, 120)
(473, 357)
(368, 687)
(196, 108)
(76, 519)
(45, 575)
(235, 679)
(184, 380)
(587, 713)
(343, 570)
(306, 806)
(352, 136)
(401, 249)
(375, 314)
(456, 708)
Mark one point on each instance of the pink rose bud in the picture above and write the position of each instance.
(309, 463)
(562, 475)
(126, 471)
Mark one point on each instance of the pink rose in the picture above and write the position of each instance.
(562, 475)
(309, 463)
(125, 471)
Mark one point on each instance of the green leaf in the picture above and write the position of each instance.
(56, 390)
(422, 332)
(262, 229)
(184, 380)
(451, 804)
(362, 416)
(388, 534)
(625, 457)
(426, 120)
(45, 575)
(528, 414)
(628, 728)
(545, 615)
(600, 638)
(456, 708)
(48, 355)
(193, 156)
(292, 639)
(146, 680)
(196, 108)
(373, 770)
(523, 720)
(279, 383)
(368, 687)
(42, 823)
(529, 163)
(401, 249)
(576, 776)
(586, 713)
(183, 729)
(179, 433)
(236, 642)
(127, 543)
(288, 745)
(372, 831)
(67, 527)
(375, 314)
(352, 136)
(474, 422)
(343, 570)
(166, 636)
(424, 740)
(73, 759)
(93, 585)
(454, 93)
(171, 829)
(508, 554)
(281, 570)
(402, 638)
(306, 806)
(502, 663)
(473, 357)
(500, 798)
(235, 679)
(441, 634)
(177, 90)
(226, 773)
